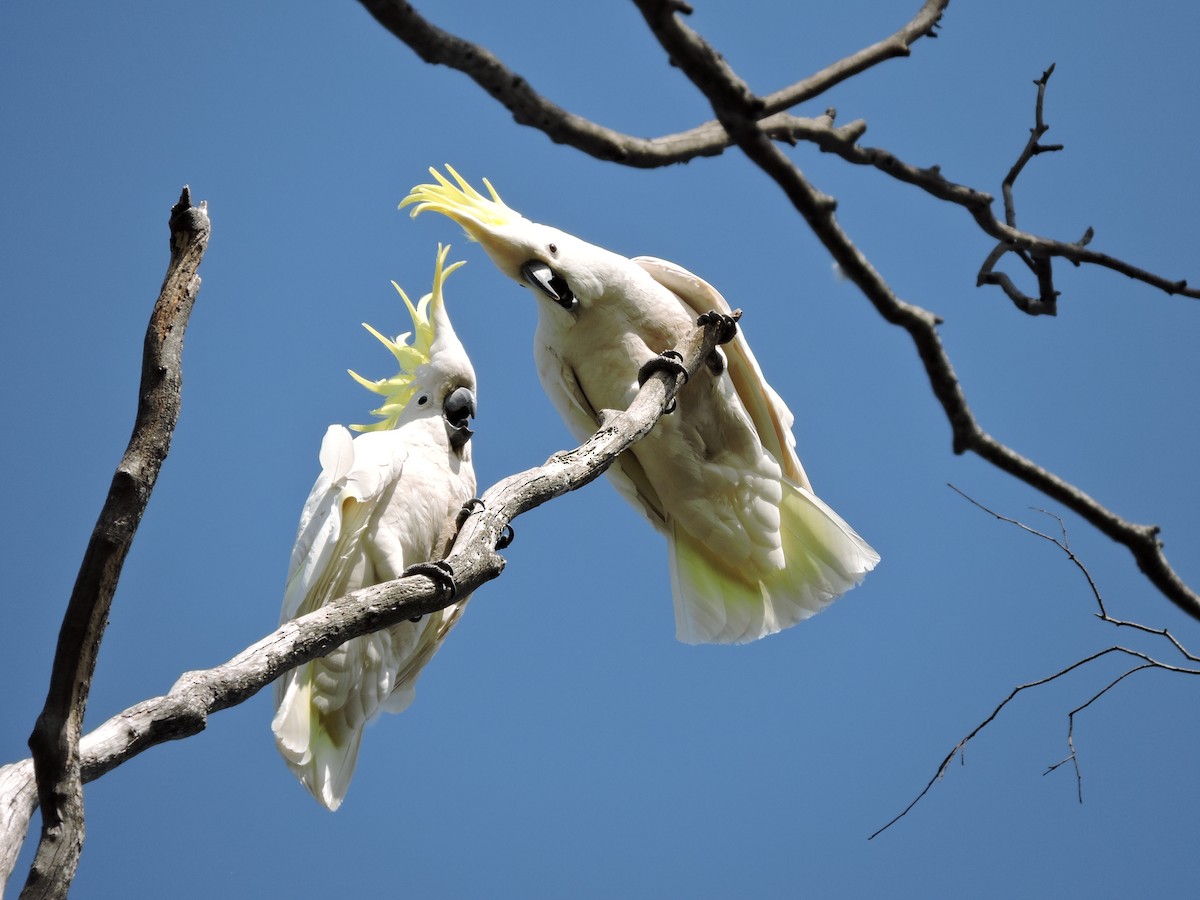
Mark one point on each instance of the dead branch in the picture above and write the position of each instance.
(1064, 545)
(1147, 662)
(1045, 303)
(530, 108)
(184, 710)
(735, 107)
(55, 738)
(438, 47)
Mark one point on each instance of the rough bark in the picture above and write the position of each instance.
(55, 738)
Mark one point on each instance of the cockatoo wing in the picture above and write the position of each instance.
(734, 601)
(323, 705)
(770, 415)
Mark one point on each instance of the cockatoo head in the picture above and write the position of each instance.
(436, 376)
(562, 269)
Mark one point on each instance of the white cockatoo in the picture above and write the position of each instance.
(752, 549)
(385, 501)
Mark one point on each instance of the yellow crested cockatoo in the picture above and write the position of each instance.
(384, 502)
(752, 549)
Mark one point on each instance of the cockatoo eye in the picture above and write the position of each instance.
(539, 275)
(422, 400)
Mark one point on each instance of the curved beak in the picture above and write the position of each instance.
(539, 275)
(457, 410)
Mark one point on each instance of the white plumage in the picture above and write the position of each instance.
(752, 549)
(384, 501)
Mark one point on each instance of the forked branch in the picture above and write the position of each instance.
(1145, 662)
(439, 47)
(735, 108)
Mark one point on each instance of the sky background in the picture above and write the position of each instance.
(563, 743)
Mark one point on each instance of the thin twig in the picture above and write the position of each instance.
(1147, 663)
(958, 748)
(55, 738)
(1073, 757)
(1064, 545)
(1045, 303)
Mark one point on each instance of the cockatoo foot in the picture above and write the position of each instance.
(469, 509)
(670, 361)
(439, 572)
(728, 323)
(506, 537)
(667, 361)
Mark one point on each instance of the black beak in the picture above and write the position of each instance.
(549, 282)
(458, 408)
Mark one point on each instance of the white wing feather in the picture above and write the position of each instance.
(800, 555)
(342, 544)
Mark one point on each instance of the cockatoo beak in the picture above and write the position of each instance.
(458, 409)
(540, 276)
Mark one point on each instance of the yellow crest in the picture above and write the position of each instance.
(401, 387)
(462, 199)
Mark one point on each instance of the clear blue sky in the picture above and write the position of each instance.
(562, 743)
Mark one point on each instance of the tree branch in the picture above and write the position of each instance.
(55, 738)
(530, 108)
(438, 47)
(737, 109)
(924, 24)
(1147, 662)
(979, 205)
(1046, 301)
(184, 710)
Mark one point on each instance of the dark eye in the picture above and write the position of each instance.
(422, 400)
(553, 248)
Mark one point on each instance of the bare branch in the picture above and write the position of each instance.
(530, 108)
(438, 47)
(55, 739)
(184, 710)
(924, 24)
(1073, 756)
(18, 800)
(703, 65)
(1063, 545)
(1147, 662)
(958, 748)
(1032, 148)
(1046, 301)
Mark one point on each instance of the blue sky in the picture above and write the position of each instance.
(562, 743)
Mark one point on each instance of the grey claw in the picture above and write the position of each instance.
(439, 572)
(728, 323)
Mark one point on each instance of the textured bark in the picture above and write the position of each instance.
(55, 739)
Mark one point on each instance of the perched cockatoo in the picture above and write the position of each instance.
(752, 549)
(384, 501)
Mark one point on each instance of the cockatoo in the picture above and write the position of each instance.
(384, 502)
(752, 549)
